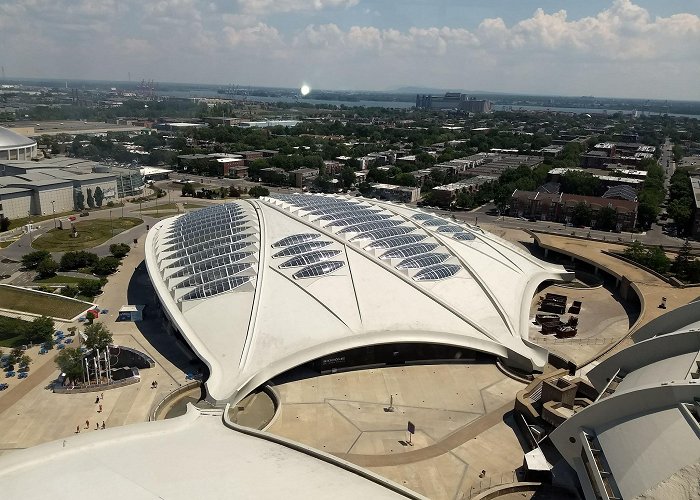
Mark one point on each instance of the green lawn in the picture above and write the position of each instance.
(29, 301)
(90, 234)
(58, 279)
(38, 218)
(5, 244)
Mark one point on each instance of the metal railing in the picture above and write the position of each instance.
(489, 482)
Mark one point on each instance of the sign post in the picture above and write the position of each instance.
(411, 431)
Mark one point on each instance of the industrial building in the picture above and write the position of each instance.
(51, 185)
(14, 146)
(454, 101)
(258, 287)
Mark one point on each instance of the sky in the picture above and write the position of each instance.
(616, 48)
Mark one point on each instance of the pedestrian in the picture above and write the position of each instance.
(103, 424)
(77, 429)
(100, 410)
(87, 424)
(97, 426)
(97, 399)
(102, 396)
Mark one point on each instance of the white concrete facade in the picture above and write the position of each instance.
(367, 273)
(645, 425)
(14, 146)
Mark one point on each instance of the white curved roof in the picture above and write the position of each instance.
(261, 286)
(192, 456)
(10, 139)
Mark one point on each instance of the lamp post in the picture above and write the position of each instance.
(29, 227)
(111, 227)
(53, 212)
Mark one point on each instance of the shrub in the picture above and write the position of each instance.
(32, 259)
(106, 266)
(119, 250)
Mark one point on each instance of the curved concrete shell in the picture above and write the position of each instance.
(260, 286)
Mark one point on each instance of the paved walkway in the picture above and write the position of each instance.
(445, 445)
(651, 288)
(35, 378)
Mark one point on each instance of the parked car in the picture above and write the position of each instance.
(3, 386)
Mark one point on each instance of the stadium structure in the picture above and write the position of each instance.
(14, 146)
(260, 286)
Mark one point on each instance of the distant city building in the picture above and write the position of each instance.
(559, 207)
(51, 185)
(303, 176)
(454, 100)
(402, 194)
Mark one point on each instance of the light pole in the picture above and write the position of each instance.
(111, 227)
(53, 212)
(29, 227)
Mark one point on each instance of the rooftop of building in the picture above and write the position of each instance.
(11, 139)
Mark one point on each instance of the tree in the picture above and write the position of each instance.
(90, 199)
(188, 189)
(258, 191)
(233, 192)
(119, 250)
(69, 291)
(89, 288)
(80, 200)
(682, 263)
(347, 177)
(681, 211)
(99, 196)
(47, 267)
(4, 223)
(24, 360)
(90, 317)
(40, 330)
(98, 336)
(581, 215)
(32, 259)
(78, 260)
(607, 219)
(70, 362)
(106, 266)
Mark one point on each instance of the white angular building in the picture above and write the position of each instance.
(258, 287)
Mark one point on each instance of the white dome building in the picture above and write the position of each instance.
(258, 287)
(14, 146)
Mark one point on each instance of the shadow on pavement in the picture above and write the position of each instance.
(154, 325)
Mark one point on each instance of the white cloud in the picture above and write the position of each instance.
(266, 7)
(622, 49)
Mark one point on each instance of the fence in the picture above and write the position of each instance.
(489, 482)
(574, 340)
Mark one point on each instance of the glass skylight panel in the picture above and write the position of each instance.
(409, 250)
(320, 269)
(395, 241)
(436, 222)
(309, 258)
(424, 260)
(217, 287)
(423, 216)
(213, 274)
(211, 263)
(191, 249)
(348, 213)
(208, 253)
(301, 248)
(370, 226)
(378, 234)
(450, 229)
(215, 238)
(205, 231)
(464, 236)
(295, 239)
(359, 219)
(437, 272)
(339, 208)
